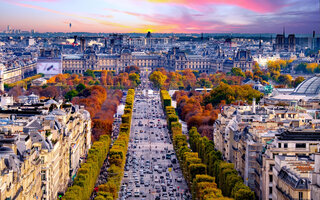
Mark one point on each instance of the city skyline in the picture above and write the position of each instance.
(162, 16)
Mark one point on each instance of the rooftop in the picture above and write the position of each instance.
(299, 135)
(310, 86)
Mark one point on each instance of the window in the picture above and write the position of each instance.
(42, 159)
(270, 178)
(271, 167)
(301, 145)
(285, 145)
(43, 175)
(300, 195)
(279, 145)
(270, 190)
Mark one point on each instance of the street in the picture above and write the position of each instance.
(152, 170)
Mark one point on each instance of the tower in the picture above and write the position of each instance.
(82, 44)
(260, 42)
(314, 40)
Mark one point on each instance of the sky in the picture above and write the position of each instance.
(162, 16)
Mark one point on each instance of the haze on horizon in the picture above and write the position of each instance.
(162, 16)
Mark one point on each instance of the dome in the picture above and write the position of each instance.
(309, 87)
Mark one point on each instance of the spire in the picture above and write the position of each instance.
(284, 31)
(260, 42)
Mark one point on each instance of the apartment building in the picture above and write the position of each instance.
(286, 143)
(292, 177)
(315, 180)
(244, 134)
(41, 149)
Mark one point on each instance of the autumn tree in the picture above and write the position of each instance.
(132, 69)
(158, 79)
(237, 72)
(297, 81)
(135, 78)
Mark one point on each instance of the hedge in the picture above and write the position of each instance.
(87, 174)
(227, 177)
(25, 82)
(201, 163)
(117, 156)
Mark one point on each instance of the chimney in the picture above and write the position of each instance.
(254, 105)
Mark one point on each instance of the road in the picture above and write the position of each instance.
(152, 170)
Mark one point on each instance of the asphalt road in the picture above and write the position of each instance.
(152, 170)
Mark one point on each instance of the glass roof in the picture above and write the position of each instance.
(310, 86)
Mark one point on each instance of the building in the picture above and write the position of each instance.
(292, 177)
(174, 60)
(306, 94)
(49, 62)
(179, 60)
(315, 180)
(243, 60)
(79, 63)
(42, 147)
(285, 44)
(288, 143)
(249, 137)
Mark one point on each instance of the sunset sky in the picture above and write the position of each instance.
(166, 16)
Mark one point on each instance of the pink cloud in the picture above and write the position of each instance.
(99, 21)
(259, 6)
(182, 22)
(185, 23)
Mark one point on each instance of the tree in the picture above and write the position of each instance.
(205, 83)
(80, 87)
(132, 69)
(89, 72)
(71, 94)
(249, 74)
(311, 67)
(298, 80)
(135, 78)
(237, 72)
(158, 78)
(285, 79)
(222, 92)
(302, 68)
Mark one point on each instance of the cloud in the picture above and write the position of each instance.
(259, 6)
(183, 21)
(99, 21)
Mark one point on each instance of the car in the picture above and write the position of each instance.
(179, 179)
(136, 193)
(125, 175)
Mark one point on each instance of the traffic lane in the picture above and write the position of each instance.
(151, 154)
